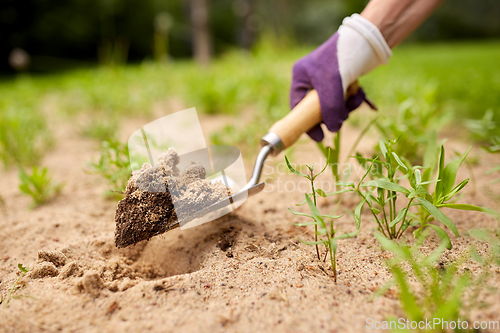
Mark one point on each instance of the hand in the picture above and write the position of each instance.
(334, 66)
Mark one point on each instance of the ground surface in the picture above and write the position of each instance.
(246, 272)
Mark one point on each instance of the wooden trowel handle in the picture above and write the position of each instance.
(301, 119)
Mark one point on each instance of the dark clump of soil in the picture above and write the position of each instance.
(227, 238)
(158, 195)
(143, 215)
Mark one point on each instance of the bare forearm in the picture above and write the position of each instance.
(396, 19)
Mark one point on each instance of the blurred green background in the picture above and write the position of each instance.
(113, 59)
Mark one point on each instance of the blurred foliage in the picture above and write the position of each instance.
(39, 185)
(24, 133)
(483, 129)
(114, 166)
(59, 35)
(464, 74)
(416, 124)
(433, 79)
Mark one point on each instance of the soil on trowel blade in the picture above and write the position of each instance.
(158, 195)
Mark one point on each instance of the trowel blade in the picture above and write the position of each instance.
(242, 195)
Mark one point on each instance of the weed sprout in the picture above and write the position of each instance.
(24, 271)
(39, 185)
(114, 166)
(441, 288)
(382, 193)
(324, 230)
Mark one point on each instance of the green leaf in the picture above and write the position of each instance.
(326, 164)
(348, 235)
(333, 244)
(434, 211)
(321, 193)
(435, 255)
(23, 269)
(383, 148)
(407, 298)
(493, 170)
(299, 213)
(454, 301)
(398, 160)
(339, 192)
(442, 235)
(480, 234)
(345, 184)
(469, 207)
(399, 217)
(418, 191)
(450, 174)
(300, 204)
(475, 255)
(311, 243)
(304, 224)
(392, 246)
(455, 190)
(333, 217)
(439, 186)
(418, 177)
(357, 213)
(293, 170)
(315, 212)
(387, 185)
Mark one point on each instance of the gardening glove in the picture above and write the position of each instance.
(356, 49)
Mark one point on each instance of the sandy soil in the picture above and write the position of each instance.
(246, 272)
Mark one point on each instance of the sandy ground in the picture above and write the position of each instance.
(246, 272)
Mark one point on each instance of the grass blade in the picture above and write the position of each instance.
(387, 185)
(434, 211)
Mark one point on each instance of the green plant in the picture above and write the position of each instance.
(439, 291)
(443, 192)
(387, 171)
(114, 166)
(334, 151)
(432, 291)
(23, 270)
(39, 185)
(324, 231)
(483, 129)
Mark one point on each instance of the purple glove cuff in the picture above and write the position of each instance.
(320, 70)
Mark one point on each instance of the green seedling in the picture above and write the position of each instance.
(439, 289)
(483, 129)
(382, 193)
(334, 151)
(24, 271)
(443, 195)
(324, 229)
(39, 185)
(333, 155)
(114, 166)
